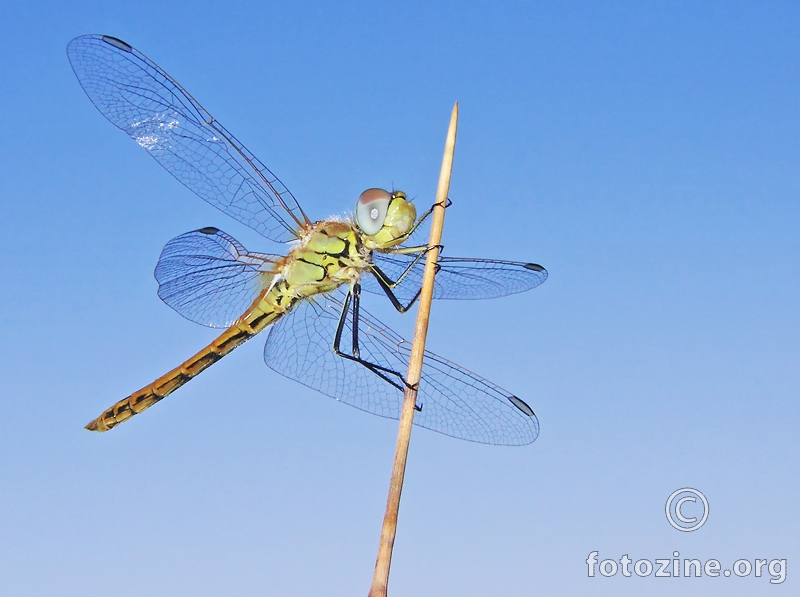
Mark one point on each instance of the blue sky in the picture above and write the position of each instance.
(645, 153)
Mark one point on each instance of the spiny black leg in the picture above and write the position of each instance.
(387, 285)
(447, 204)
(378, 370)
(356, 303)
(392, 284)
(422, 249)
(424, 216)
(342, 318)
(379, 275)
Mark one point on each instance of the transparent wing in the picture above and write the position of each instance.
(454, 401)
(209, 278)
(135, 95)
(458, 277)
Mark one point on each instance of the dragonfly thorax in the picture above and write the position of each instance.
(330, 254)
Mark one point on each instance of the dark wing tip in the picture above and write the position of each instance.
(535, 267)
(209, 230)
(520, 404)
(117, 43)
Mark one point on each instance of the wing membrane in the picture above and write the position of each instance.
(454, 401)
(209, 278)
(137, 96)
(458, 278)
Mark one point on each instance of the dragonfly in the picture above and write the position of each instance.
(310, 295)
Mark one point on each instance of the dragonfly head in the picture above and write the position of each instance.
(385, 218)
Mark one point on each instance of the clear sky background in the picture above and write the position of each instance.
(646, 153)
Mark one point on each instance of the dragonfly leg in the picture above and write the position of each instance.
(356, 291)
(379, 370)
(409, 250)
(421, 252)
(424, 216)
(388, 285)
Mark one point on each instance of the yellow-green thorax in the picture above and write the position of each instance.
(331, 253)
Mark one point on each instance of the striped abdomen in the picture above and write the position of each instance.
(251, 323)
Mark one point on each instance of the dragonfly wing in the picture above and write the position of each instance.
(454, 401)
(458, 277)
(209, 278)
(137, 96)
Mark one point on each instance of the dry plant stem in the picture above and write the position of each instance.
(381, 578)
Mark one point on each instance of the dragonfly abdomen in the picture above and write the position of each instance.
(251, 323)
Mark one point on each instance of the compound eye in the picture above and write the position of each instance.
(371, 210)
